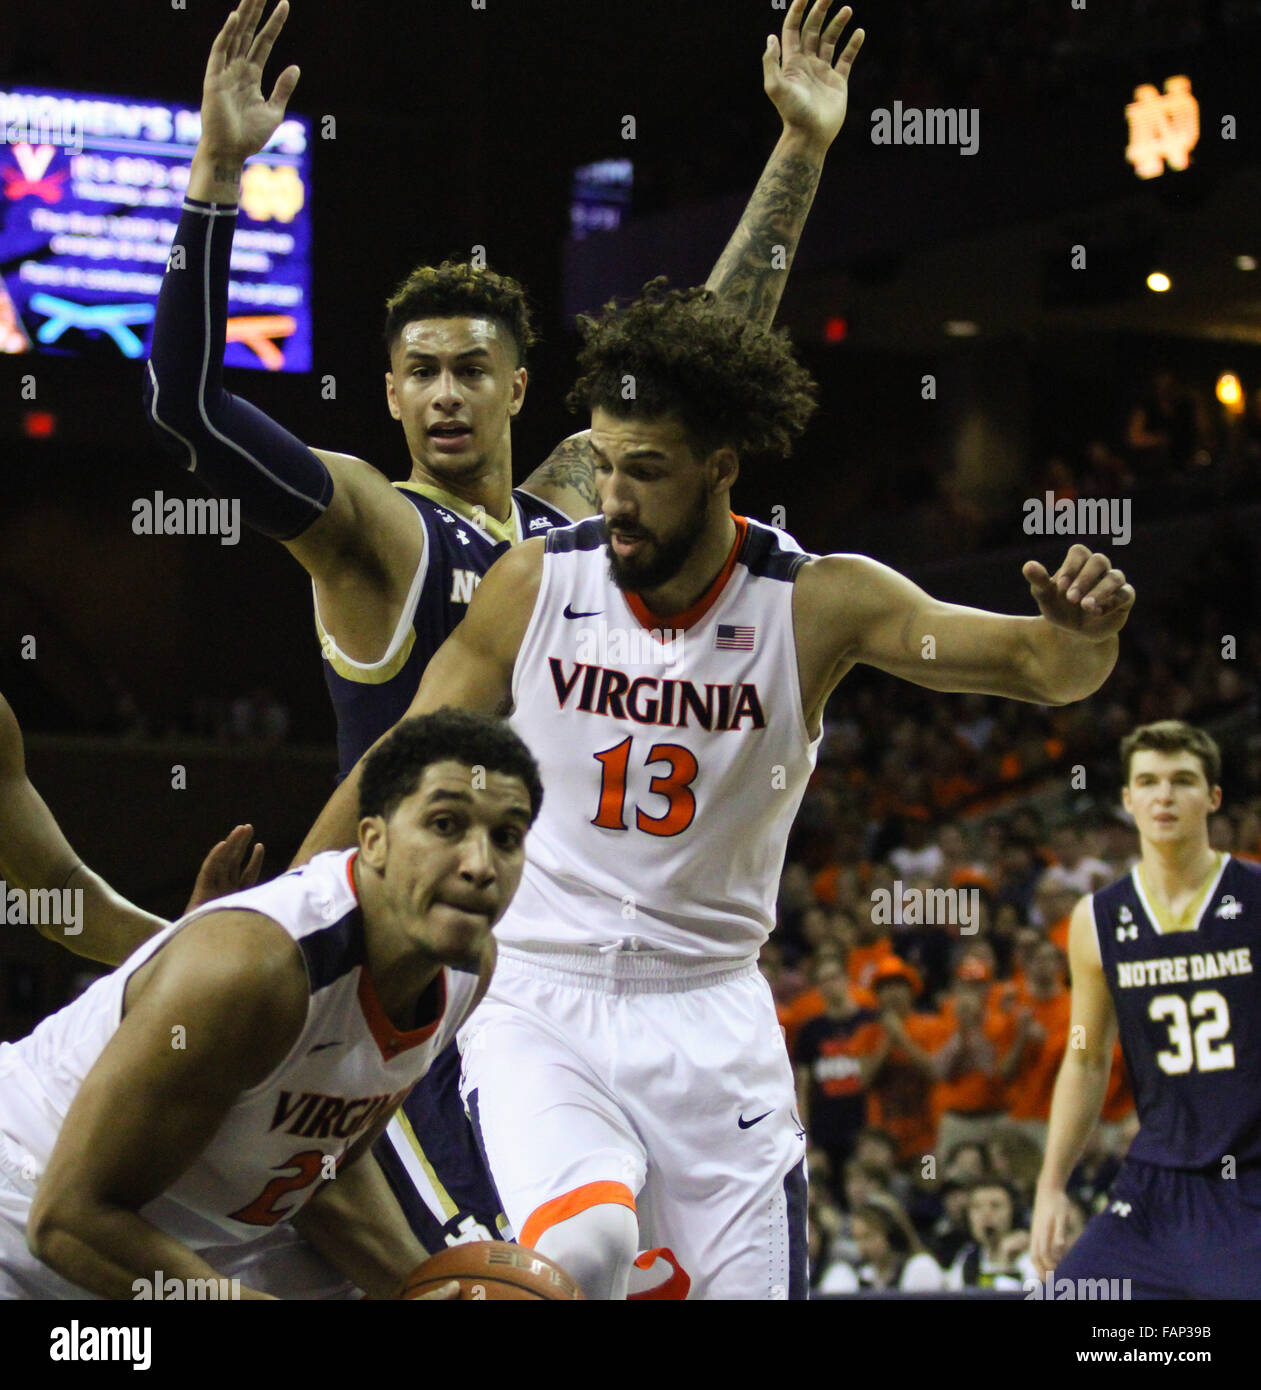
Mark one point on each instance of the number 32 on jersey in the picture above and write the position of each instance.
(1201, 1046)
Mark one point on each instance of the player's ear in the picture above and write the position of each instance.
(1125, 798)
(374, 841)
(726, 468)
(390, 398)
(520, 379)
(1215, 799)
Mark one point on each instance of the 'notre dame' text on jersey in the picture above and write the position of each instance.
(1188, 1006)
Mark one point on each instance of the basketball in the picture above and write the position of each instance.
(491, 1271)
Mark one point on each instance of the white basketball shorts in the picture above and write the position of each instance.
(656, 1081)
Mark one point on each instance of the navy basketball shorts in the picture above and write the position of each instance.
(1175, 1234)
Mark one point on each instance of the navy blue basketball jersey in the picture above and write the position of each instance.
(429, 1153)
(1188, 1005)
(370, 698)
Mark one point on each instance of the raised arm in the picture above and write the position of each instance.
(848, 610)
(341, 519)
(471, 670)
(235, 985)
(811, 96)
(1080, 1087)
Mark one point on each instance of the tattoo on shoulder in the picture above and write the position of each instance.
(571, 465)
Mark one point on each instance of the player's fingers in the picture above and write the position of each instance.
(1087, 577)
(851, 52)
(444, 1293)
(249, 876)
(248, 12)
(1102, 590)
(831, 36)
(1122, 598)
(813, 26)
(221, 47)
(1037, 577)
(1071, 567)
(791, 34)
(283, 89)
(261, 48)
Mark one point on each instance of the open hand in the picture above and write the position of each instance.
(226, 870)
(236, 119)
(808, 92)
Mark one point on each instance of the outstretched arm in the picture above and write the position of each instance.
(337, 515)
(809, 86)
(471, 670)
(848, 609)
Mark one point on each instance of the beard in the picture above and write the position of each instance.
(660, 560)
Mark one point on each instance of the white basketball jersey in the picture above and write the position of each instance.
(674, 755)
(284, 1136)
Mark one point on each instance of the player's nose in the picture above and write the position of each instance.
(447, 390)
(477, 860)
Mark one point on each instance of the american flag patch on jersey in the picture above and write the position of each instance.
(734, 639)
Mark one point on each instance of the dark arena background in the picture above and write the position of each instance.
(1046, 330)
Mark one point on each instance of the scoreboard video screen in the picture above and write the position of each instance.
(90, 195)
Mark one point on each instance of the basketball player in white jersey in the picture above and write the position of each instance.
(233, 1073)
(668, 663)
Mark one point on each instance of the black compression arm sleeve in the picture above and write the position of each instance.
(230, 447)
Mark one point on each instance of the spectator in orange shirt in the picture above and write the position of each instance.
(902, 1044)
(1041, 1020)
(968, 1095)
(872, 945)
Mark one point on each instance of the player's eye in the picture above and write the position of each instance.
(444, 824)
(509, 837)
(474, 371)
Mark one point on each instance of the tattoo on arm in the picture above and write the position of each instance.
(746, 278)
(571, 464)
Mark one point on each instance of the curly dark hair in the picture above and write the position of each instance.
(730, 381)
(456, 289)
(393, 769)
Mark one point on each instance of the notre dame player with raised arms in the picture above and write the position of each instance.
(1165, 954)
(393, 567)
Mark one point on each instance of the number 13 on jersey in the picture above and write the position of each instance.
(674, 785)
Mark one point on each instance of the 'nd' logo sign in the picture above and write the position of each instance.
(1163, 129)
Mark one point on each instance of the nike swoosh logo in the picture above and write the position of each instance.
(319, 1047)
(757, 1119)
(569, 613)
